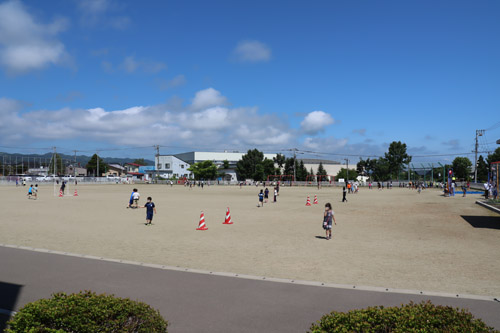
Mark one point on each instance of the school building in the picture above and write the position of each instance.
(169, 166)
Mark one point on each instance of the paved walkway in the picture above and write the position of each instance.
(195, 302)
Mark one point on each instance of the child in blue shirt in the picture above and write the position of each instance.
(150, 209)
(261, 199)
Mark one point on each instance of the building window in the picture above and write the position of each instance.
(182, 166)
(167, 165)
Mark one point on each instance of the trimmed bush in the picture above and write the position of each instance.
(87, 312)
(422, 317)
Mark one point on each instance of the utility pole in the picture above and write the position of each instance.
(478, 133)
(347, 169)
(157, 162)
(97, 155)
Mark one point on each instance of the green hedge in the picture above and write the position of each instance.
(423, 317)
(87, 312)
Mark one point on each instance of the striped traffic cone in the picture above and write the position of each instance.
(228, 217)
(201, 225)
(61, 193)
(315, 202)
(308, 203)
(76, 193)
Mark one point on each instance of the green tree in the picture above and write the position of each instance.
(225, 164)
(482, 169)
(139, 161)
(56, 166)
(461, 167)
(289, 163)
(381, 169)
(279, 160)
(204, 170)
(301, 171)
(92, 166)
(247, 167)
(346, 174)
(396, 157)
(321, 170)
(495, 157)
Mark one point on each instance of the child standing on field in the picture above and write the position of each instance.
(275, 194)
(328, 217)
(261, 199)
(266, 195)
(344, 192)
(150, 210)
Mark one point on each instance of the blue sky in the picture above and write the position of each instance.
(335, 77)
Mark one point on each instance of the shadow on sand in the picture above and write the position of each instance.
(320, 237)
(488, 222)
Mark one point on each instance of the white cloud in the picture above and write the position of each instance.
(131, 65)
(99, 13)
(177, 81)
(207, 98)
(316, 122)
(252, 51)
(25, 44)
(209, 125)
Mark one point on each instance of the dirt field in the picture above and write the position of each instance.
(391, 238)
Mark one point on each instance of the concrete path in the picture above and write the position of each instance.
(193, 302)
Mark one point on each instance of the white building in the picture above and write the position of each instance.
(331, 167)
(169, 166)
(218, 158)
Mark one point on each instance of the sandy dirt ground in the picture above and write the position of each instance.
(392, 238)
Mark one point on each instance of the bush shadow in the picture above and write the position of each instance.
(488, 222)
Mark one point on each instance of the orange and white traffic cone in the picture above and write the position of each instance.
(201, 225)
(228, 217)
(308, 203)
(61, 194)
(315, 202)
(76, 193)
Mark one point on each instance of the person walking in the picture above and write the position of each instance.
(328, 217)
(150, 210)
(344, 193)
(261, 199)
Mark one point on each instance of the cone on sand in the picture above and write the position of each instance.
(315, 202)
(308, 203)
(76, 193)
(228, 217)
(201, 225)
(61, 194)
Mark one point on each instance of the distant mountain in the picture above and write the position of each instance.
(45, 158)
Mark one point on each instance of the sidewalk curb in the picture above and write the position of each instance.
(485, 205)
(265, 278)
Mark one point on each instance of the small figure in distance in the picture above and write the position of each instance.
(261, 199)
(344, 192)
(150, 210)
(30, 191)
(35, 191)
(327, 220)
(136, 196)
(266, 195)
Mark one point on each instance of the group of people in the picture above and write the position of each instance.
(149, 205)
(490, 190)
(33, 192)
(264, 196)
